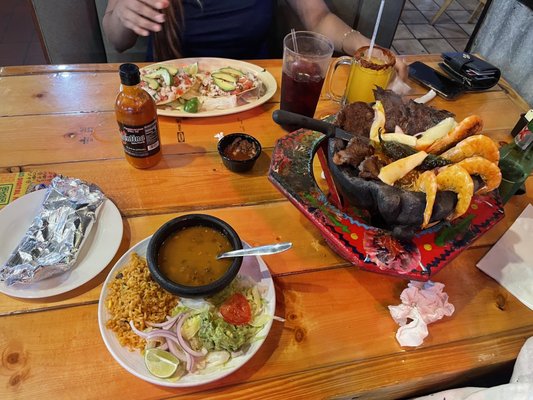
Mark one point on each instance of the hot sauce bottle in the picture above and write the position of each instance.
(136, 115)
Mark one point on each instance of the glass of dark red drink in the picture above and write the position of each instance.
(306, 58)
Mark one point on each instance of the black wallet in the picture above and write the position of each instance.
(473, 72)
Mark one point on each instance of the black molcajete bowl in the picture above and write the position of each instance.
(238, 165)
(398, 210)
(177, 224)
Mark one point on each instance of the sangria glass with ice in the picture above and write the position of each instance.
(306, 58)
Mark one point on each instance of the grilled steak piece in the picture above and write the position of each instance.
(356, 118)
(369, 168)
(411, 117)
(422, 117)
(355, 152)
(395, 111)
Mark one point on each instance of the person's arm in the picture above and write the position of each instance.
(317, 17)
(125, 20)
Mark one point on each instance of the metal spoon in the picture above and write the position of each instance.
(257, 251)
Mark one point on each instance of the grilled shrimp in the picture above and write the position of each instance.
(458, 180)
(477, 145)
(427, 183)
(467, 127)
(488, 171)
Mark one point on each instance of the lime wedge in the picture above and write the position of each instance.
(192, 69)
(161, 363)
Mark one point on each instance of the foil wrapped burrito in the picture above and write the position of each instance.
(53, 241)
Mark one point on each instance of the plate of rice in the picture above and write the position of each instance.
(130, 296)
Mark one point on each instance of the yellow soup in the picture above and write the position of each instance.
(189, 256)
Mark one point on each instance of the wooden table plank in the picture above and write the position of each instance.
(177, 183)
(66, 91)
(95, 136)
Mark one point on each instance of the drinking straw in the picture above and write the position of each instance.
(373, 40)
(294, 44)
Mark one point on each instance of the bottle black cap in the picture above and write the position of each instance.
(129, 74)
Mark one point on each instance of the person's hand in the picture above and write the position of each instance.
(401, 69)
(141, 16)
(399, 83)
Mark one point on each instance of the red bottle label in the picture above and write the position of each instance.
(140, 141)
(524, 138)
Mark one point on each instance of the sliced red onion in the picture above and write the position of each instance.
(181, 355)
(166, 324)
(142, 334)
(190, 362)
(164, 334)
(172, 339)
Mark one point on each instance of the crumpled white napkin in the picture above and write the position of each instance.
(519, 388)
(422, 303)
(398, 86)
(430, 95)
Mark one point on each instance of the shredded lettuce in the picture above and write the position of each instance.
(205, 328)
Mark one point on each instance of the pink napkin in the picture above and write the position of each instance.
(422, 304)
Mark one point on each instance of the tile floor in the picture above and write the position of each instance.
(19, 42)
(415, 34)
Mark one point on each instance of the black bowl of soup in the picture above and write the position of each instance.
(181, 255)
(239, 151)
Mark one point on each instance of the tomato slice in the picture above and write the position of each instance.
(236, 310)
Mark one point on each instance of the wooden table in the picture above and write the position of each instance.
(338, 340)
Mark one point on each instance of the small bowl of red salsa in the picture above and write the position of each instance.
(239, 151)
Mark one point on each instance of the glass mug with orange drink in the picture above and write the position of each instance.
(365, 74)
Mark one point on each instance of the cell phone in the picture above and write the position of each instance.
(427, 76)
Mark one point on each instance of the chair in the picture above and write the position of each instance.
(68, 31)
(477, 11)
(508, 49)
(447, 3)
(359, 14)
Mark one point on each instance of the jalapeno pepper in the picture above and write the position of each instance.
(192, 105)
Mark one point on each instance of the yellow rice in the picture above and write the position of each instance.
(134, 296)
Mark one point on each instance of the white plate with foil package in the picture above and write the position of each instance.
(253, 268)
(98, 249)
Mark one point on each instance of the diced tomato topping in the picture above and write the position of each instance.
(236, 310)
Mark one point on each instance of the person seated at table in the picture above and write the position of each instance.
(202, 28)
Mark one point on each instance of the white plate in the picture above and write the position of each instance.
(133, 362)
(211, 64)
(98, 250)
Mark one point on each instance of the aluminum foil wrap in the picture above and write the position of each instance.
(53, 241)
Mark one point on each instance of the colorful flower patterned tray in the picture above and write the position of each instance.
(346, 229)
